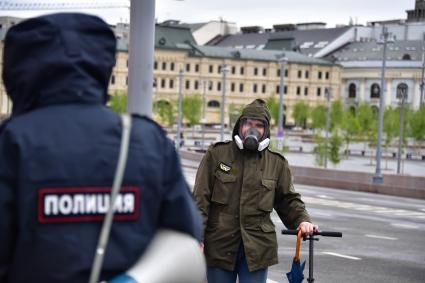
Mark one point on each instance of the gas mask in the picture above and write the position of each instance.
(252, 140)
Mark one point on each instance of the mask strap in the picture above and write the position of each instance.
(238, 141)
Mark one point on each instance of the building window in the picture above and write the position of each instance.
(255, 71)
(254, 88)
(210, 86)
(406, 57)
(278, 72)
(327, 75)
(242, 70)
(264, 72)
(240, 87)
(263, 88)
(286, 72)
(352, 91)
(306, 91)
(298, 90)
(197, 68)
(300, 73)
(164, 65)
(307, 74)
(187, 67)
(375, 91)
(213, 104)
(319, 75)
(277, 89)
(211, 68)
(112, 80)
(187, 84)
(219, 69)
(155, 65)
(285, 89)
(171, 83)
(219, 86)
(126, 63)
(172, 66)
(319, 91)
(126, 80)
(196, 84)
(163, 83)
(233, 70)
(402, 91)
(232, 87)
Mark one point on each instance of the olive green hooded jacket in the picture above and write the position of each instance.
(236, 190)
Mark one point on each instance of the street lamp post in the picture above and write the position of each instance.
(179, 112)
(204, 85)
(282, 61)
(223, 100)
(378, 178)
(421, 99)
(328, 94)
(403, 94)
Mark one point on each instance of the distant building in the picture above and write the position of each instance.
(362, 69)
(418, 14)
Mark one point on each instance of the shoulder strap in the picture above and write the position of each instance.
(107, 221)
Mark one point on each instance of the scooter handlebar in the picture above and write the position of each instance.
(315, 233)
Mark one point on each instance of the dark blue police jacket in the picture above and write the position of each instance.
(59, 152)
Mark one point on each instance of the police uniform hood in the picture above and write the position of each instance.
(255, 110)
(79, 48)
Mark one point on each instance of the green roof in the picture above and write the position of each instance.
(253, 54)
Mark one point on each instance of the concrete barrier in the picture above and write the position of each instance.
(396, 185)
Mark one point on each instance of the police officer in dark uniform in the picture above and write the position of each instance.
(237, 186)
(59, 151)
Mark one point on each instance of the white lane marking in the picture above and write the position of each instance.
(343, 256)
(325, 196)
(381, 237)
(365, 207)
(407, 226)
(271, 281)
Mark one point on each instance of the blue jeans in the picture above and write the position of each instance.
(219, 275)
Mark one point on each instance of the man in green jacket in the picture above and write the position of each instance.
(237, 185)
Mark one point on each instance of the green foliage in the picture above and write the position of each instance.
(273, 105)
(118, 102)
(334, 148)
(166, 112)
(192, 108)
(301, 113)
(336, 115)
(234, 111)
(319, 150)
(417, 124)
(318, 117)
(390, 125)
(350, 127)
(368, 121)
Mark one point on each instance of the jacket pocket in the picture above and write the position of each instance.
(266, 195)
(222, 186)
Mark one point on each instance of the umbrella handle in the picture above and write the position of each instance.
(297, 246)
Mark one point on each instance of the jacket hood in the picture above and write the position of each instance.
(255, 110)
(59, 58)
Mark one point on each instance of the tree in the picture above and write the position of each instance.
(273, 106)
(334, 147)
(234, 113)
(417, 125)
(337, 111)
(390, 126)
(166, 112)
(319, 150)
(350, 128)
(300, 114)
(118, 102)
(191, 108)
(318, 117)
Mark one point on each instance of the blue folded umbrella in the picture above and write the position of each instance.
(296, 275)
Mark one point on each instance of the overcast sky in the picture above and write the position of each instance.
(256, 12)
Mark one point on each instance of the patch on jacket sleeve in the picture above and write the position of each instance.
(224, 167)
(86, 204)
